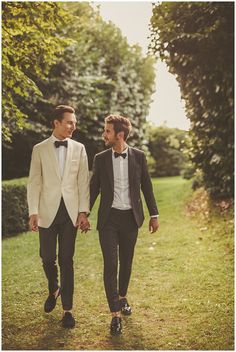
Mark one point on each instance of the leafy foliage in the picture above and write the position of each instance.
(30, 47)
(98, 73)
(196, 40)
(166, 146)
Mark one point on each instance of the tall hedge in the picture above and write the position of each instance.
(196, 39)
(14, 209)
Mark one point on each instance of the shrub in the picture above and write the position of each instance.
(166, 148)
(197, 180)
(14, 209)
(188, 171)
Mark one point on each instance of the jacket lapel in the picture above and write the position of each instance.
(53, 158)
(109, 168)
(68, 158)
(131, 166)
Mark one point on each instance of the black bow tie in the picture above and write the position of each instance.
(116, 155)
(60, 143)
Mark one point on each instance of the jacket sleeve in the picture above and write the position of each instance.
(146, 187)
(83, 182)
(94, 183)
(34, 184)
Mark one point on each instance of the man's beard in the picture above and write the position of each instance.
(109, 143)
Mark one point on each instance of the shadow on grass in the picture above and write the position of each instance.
(50, 335)
(53, 335)
(43, 334)
(131, 338)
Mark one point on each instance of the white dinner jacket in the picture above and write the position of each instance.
(46, 186)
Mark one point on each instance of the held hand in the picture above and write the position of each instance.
(33, 222)
(82, 222)
(153, 225)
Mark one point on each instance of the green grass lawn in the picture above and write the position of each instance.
(181, 289)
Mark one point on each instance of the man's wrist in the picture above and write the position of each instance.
(83, 213)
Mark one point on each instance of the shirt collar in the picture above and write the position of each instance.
(124, 151)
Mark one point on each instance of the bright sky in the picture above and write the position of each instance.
(133, 19)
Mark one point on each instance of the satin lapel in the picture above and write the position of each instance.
(109, 168)
(131, 166)
(68, 158)
(53, 158)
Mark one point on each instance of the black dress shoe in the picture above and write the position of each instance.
(50, 302)
(125, 307)
(68, 320)
(116, 327)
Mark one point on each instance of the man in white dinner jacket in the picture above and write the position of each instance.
(58, 200)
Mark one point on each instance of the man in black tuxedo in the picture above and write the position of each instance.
(118, 174)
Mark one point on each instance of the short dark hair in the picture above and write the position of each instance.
(58, 112)
(120, 123)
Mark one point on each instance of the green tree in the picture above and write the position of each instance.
(30, 47)
(196, 39)
(166, 146)
(98, 74)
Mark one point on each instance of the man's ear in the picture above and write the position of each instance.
(55, 123)
(121, 135)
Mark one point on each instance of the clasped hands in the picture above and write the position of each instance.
(82, 222)
(84, 225)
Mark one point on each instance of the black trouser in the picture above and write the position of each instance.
(117, 240)
(62, 229)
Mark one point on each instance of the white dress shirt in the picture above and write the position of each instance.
(61, 153)
(121, 198)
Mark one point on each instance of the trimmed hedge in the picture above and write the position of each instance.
(14, 209)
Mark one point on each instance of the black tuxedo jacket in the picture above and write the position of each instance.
(102, 181)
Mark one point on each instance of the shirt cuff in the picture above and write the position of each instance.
(154, 216)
